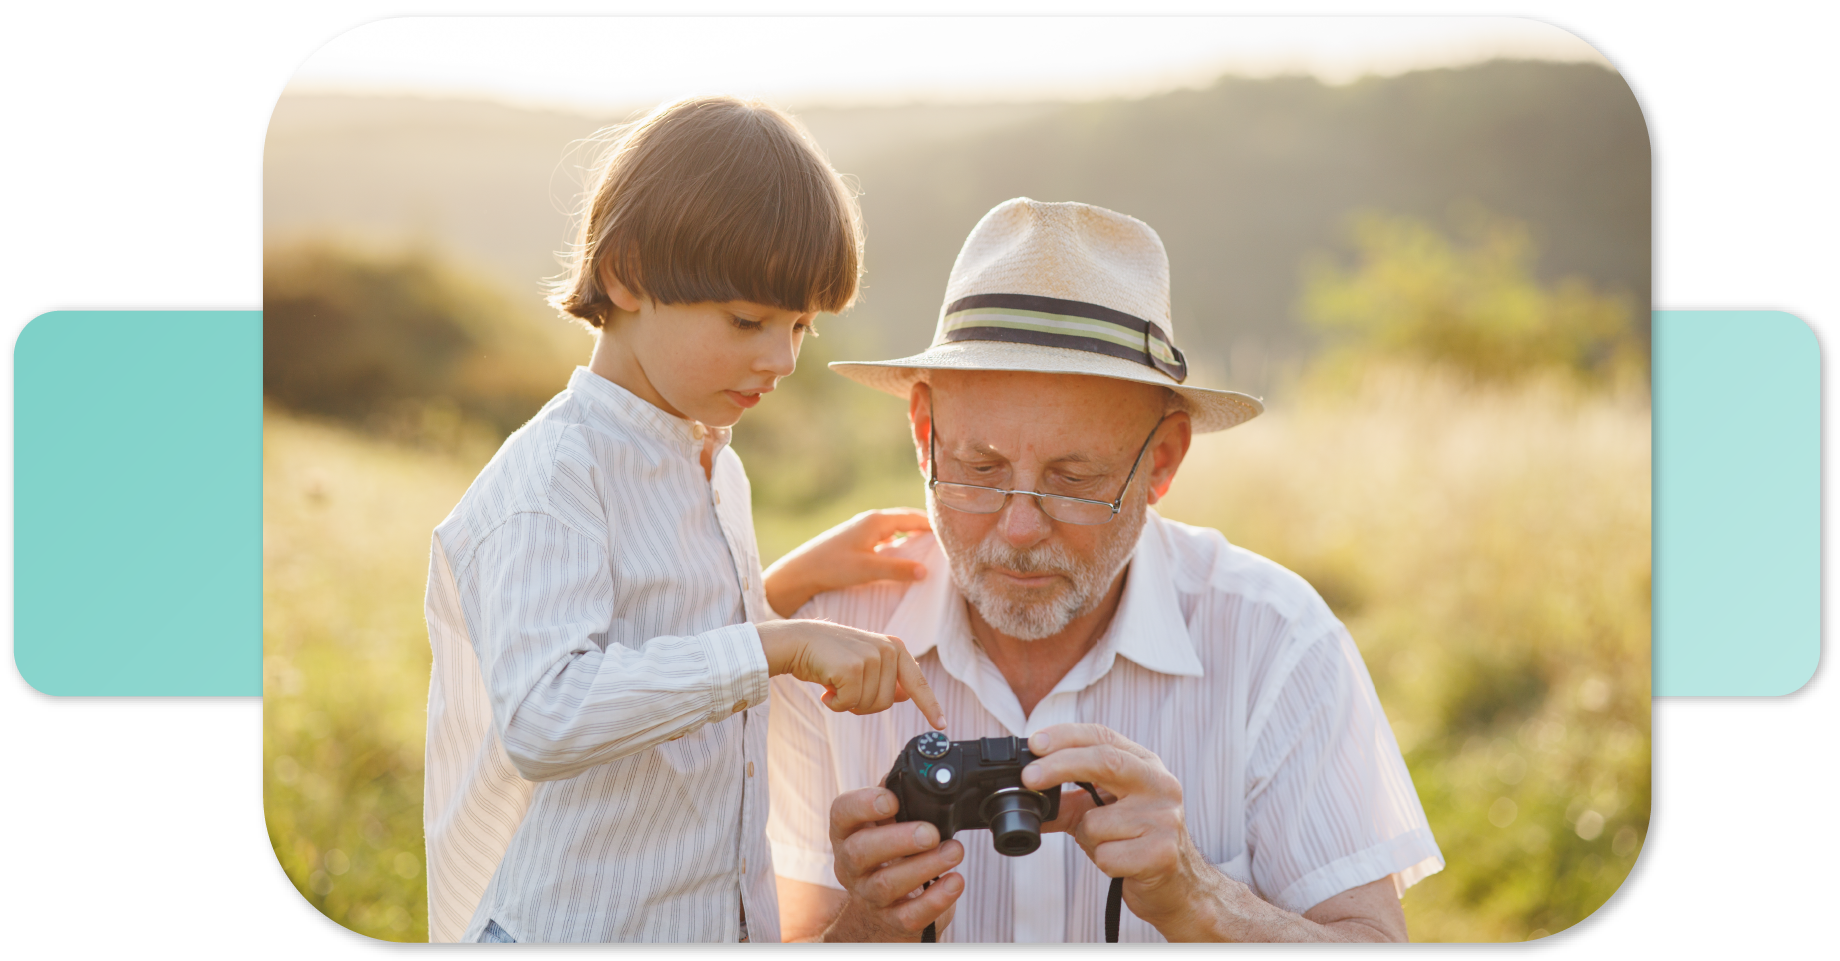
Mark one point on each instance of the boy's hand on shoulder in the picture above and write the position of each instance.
(862, 673)
(846, 555)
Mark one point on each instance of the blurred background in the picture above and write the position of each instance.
(1426, 243)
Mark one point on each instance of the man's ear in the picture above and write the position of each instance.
(622, 297)
(1168, 451)
(920, 419)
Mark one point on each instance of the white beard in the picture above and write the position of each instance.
(1030, 614)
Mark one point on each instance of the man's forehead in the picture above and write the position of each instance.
(1065, 417)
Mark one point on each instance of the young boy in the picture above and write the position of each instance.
(602, 637)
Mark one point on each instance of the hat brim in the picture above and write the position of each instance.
(1208, 409)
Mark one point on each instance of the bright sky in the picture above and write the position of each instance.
(597, 63)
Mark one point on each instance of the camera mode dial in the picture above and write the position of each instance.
(933, 744)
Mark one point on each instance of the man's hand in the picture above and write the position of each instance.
(1141, 833)
(846, 555)
(883, 865)
(862, 673)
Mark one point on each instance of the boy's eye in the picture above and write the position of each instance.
(746, 324)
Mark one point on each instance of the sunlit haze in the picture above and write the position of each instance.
(600, 63)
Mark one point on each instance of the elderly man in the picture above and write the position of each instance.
(1254, 789)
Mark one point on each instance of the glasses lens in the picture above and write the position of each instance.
(1068, 510)
(971, 500)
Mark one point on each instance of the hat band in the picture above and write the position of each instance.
(1052, 322)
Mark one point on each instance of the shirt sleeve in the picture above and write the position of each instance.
(1330, 805)
(801, 781)
(538, 599)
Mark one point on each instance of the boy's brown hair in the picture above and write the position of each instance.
(714, 199)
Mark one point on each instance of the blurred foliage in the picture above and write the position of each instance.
(404, 344)
(1473, 303)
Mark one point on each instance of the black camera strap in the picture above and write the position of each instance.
(1114, 898)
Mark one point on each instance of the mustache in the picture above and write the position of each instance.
(1043, 559)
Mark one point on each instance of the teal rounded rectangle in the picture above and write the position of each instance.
(137, 503)
(1737, 500)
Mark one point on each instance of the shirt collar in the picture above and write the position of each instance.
(1148, 628)
(621, 408)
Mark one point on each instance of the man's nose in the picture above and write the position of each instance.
(1022, 523)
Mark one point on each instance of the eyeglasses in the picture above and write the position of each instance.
(972, 499)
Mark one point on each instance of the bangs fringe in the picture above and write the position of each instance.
(715, 200)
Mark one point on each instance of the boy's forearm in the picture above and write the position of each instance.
(600, 706)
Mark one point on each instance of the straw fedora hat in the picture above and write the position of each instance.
(1063, 288)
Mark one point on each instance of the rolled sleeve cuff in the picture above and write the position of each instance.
(1412, 857)
(804, 864)
(737, 669)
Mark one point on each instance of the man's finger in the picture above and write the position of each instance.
(1056, 737)
(853, 810)
(894, 882)
(1075, 804)
(862, 853)
(914, 683)
(1117, 771)
(1125, 858)
(916, 913)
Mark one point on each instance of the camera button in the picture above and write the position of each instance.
(942, 775)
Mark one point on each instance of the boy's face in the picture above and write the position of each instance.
(708, 361)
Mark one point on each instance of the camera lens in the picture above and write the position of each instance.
(1015, 822)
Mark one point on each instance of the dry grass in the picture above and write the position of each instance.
(1489, 548)
(346, 522)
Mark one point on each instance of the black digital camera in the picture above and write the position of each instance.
(968, 785)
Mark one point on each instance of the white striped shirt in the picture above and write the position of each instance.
(598, 706)
(1228, 666)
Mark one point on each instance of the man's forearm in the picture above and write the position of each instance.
(1236, 914)
(1218, 908)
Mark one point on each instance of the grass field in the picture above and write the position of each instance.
(1489, 549)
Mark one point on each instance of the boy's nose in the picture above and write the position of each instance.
(781, 361)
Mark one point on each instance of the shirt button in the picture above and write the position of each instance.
(718, 497)
(697, 429)
(740, 706)
(744, 865)
(750, 769)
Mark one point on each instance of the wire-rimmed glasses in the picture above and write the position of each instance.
(972, 499)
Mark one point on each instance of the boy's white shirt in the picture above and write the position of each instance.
(597, 714)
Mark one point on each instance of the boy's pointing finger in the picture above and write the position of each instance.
(914, 684)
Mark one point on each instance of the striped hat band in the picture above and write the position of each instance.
(1072, 324)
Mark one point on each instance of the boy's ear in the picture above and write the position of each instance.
(617, 292)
